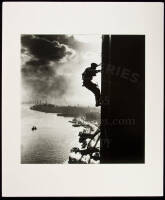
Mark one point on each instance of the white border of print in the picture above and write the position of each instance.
(82, 180)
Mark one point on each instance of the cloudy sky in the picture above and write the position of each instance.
(52, 66)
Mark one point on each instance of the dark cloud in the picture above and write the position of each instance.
(37, 68)
(40, 70)
(67, 40)
(44, 49)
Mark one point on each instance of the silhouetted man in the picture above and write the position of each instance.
(87, 81)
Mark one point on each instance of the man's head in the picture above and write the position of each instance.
(93, 65)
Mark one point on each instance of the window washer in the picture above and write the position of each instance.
(87, 81)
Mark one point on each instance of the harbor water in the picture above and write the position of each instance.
(51, 142)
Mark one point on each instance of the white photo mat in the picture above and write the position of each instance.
(82, 180)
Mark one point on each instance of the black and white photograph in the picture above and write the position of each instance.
(68, 116)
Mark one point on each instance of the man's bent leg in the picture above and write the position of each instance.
(93, 88)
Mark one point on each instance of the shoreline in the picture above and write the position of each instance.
(87, 148)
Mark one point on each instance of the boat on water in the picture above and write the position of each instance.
(74, 120)
(34, 128)
(59, 114)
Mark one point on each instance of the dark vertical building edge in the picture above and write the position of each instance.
(123, 98)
